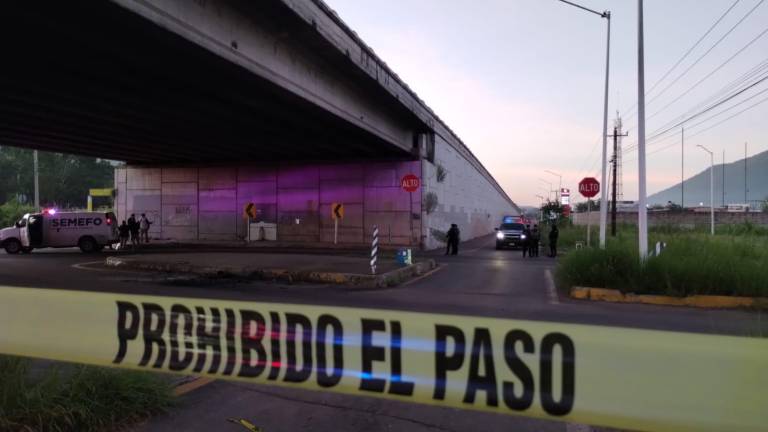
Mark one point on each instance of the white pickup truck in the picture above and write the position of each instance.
(90, 231)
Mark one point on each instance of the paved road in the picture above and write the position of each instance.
(481, 281)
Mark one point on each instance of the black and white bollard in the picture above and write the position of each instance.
(374, 248)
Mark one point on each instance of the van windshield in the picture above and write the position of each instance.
(512, 226)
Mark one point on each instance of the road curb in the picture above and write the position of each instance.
(699, 301)
(384, 280)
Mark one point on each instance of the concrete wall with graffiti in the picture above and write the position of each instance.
(456, 192)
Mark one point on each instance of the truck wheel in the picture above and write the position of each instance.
(88, 245)
(26, 250)
(12, 246)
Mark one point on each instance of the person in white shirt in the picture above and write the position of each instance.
(144, 224)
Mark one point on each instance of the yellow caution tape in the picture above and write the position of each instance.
(626, 378)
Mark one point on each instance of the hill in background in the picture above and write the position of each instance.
(697, 187)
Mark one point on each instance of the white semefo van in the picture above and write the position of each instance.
(90, 231)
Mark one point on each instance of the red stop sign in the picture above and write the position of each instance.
(589, 187)
(410, 183)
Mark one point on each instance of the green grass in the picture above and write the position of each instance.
(733, 262)
(80, 398)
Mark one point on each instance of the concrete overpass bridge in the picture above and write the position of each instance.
(215, 104)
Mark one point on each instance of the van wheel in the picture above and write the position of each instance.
(88, 245)
(26, 250)
(12, 246)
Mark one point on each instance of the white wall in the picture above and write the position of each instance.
(465, 197)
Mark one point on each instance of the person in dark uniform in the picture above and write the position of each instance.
(533, 249)
(124, 231)
(133, 227)
(554, 233)
(527, 240)
(453, 235)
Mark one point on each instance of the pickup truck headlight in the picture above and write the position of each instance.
(522, 236)
(500, 235)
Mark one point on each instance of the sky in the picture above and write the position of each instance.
(521, 82)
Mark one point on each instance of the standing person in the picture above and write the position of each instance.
(527, 240)
(123, 230)
(133, 227)
(553, 234)
(534, 246)
(144, 224)
(452, 245)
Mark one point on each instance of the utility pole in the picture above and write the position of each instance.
(723, 178)
(559, 184)
(745, 174)
(682, 168)
(37, 182)
(550, 190)
(642, 210)
(711, 188)
(616, 136)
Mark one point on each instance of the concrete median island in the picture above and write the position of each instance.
(701, 301)
(341, 270)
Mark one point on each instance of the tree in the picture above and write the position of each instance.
(15, 173)
(552, 207)
(582, 206)
(64, 178)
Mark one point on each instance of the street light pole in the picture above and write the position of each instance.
(549, 193)
(711, 188)
(559, 183)
(604, 190)
(550, 187)
(541, 204)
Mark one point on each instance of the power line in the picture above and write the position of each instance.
(729, 108)
(666, 128)
(699, 132)
(711, 73)
(704, 111)
(660, 140)
(756, 70)
(706, 52)
(656, 134)
(587, 159)
(761, 101)
(630, 110)
(700, 58)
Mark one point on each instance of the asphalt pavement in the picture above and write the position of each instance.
(481, 281)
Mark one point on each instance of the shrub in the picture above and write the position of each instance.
(430, 202)
(441, 173)
(12, 211)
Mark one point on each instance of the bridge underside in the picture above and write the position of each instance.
(95, 79)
